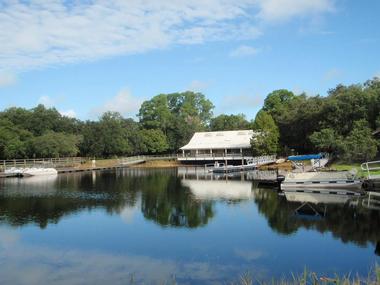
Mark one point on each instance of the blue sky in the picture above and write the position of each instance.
(86, 57)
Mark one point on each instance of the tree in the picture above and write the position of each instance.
(229, 122)
(359, 145)
(277, 100)
(152, 141)
(265, 139)
(326, 140)
(177, 115)
(344, 106)
(52, 144)
(14, 141)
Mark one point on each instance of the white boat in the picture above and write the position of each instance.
(35, 171)
(309, 181)
(14, 171)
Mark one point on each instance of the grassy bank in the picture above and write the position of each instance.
(345, 166)
(158, 164)
(113, 162)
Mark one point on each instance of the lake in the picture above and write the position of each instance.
(156, 225)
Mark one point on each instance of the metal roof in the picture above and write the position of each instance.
(220, 140)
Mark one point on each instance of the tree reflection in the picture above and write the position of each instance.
(163, 199)
(348, 222)
(168, 203)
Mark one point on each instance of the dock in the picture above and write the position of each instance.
(75, 164)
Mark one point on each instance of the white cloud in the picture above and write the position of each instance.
(39, 33)
(7, 79)
(241, 102)
(124, 103)
(198, 86)
(68, 113)
(243, 51)
(332, 74)
(249, 255)
(23, 263)
(282, 10)
(46, 101)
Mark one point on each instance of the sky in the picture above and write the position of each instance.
(91, 56)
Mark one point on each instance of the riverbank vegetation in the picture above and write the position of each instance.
(343, 123)
(309, 277)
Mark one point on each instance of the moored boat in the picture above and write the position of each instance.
(309, 181)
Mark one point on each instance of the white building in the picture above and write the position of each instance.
(222, 145)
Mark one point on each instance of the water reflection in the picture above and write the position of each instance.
(184, 198)
(219, 190)
(344, 216)
(203, 228)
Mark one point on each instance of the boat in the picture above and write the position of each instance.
(35, 171)
(252, 164)
(318, 181)
(222, 168)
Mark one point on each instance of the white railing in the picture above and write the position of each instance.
(142, 158)
(214, 156)
(371, 166)
(41, 162)
(262, 159)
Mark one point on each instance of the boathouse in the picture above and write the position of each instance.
(218, 146)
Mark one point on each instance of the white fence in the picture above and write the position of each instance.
(142, 158)
(265, 159)
(41, 162)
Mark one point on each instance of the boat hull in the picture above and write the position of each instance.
(334, 184)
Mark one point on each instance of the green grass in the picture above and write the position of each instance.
(345, 166)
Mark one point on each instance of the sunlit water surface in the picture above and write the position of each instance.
(154, 226)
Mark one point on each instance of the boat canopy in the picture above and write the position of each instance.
(305, 157)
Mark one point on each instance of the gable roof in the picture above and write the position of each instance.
(220, 140)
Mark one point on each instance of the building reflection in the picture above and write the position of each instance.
(185, 198)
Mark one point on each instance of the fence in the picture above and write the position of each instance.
(142, 158)
(41, 162)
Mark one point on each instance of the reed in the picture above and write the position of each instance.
(311, 278)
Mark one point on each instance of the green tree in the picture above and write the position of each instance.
(229, 122)
(359, 145)
(152, 141)
(277, 100)
(14, 141)
(326, 140)
(114, 135)
(265, 139)
(177, 115)
(52, 144)
(344, 106)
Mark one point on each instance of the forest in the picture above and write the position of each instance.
(344, 123)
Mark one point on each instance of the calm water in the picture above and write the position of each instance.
(156, 225)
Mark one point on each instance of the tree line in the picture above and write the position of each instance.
(341, 123)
